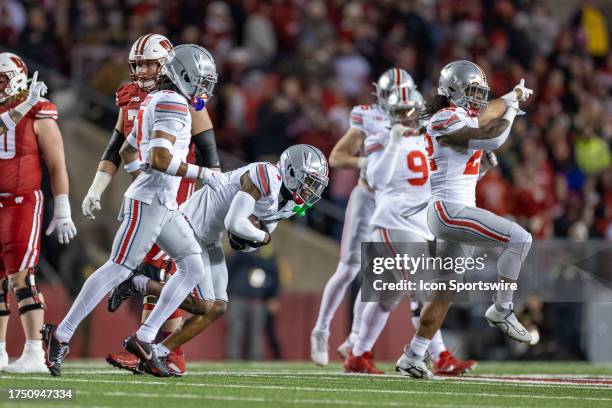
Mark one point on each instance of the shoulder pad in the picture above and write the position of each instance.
(266, 178)
(447, 120)
(42, 110)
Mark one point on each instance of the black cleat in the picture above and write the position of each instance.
(149, 361)
(55, 350)
(120, 293)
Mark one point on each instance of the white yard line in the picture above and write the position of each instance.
(322, 389)
(396, 378)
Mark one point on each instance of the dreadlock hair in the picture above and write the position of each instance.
(165, 84)
(434, 104)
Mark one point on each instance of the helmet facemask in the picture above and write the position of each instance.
(309, 190)
(477, 97)
(147, 82)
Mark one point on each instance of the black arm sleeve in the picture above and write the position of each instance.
(207, 155)
(111, 153)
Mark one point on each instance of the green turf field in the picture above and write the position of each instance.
(255, 385)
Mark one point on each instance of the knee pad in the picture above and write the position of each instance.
(4, 291)
(520, 241)
(30, 291)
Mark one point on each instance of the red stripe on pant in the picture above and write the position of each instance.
(130, 232)
(467, 224)
(387, 239)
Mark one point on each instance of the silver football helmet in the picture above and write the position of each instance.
(305, 173)
(405, 105)
(390, 78)
(192, 69)
(465, 84)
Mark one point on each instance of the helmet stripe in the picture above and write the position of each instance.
(404, 97)
(144, 43)
(138, 41)
(397, 76)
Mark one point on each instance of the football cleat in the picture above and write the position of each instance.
(448, 364)
(55, 350)
(318, 347)
(506, 321)
(176, 364)
(345, 348)
(31, 361)
(4, 359)
(149, 361)
(124, 360)
(120, 293)
(413, 367)
(361, 364)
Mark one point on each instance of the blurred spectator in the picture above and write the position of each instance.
(253, 286)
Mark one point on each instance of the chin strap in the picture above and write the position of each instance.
(198, 103)
(300, 210)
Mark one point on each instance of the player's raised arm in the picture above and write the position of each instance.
(345, 152)
(242, 206)
(10, 118)
(52, 147)
(203, 136)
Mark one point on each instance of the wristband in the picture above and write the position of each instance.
(163, 143)
(8, 121)
(131, 167)
(100, 182)
(193, 171)
(173, 166)
(509, 114)
(62, 206)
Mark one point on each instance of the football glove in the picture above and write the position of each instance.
(62, 222)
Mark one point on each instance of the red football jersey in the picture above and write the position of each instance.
(128, 98)
(20, 168)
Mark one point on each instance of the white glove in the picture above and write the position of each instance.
(210, 178)
(62, 222)
(91, 203)
(37, 91)
(491, 159)
(522, 92)
(397, 132)
(92, 199)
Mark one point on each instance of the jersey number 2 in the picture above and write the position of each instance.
(7, 145)
(417, 163)
(473, 164)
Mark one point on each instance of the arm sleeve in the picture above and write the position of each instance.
(111, 153)
(381, 163)
(496, 142)
(206, 149)
(237, 218)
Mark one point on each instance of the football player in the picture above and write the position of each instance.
(146, 60)
(462, 124)
(248, 203)
(365, 120)
(156, 150)
(28, 134)
(398, 170)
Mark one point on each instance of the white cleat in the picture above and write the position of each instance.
(318, 347)
(31, 361)
(414, 367)
(3, 359)
(506, 321)
(345, 348)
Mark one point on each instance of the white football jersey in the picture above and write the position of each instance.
(206, 208)
(454, 170)
(402, 203)
(166, 111)
(371, 120)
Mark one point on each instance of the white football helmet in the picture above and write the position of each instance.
(16, 72)
(305, 173)
(405, 105)
(148, 48)
(390, 78)
(465, 84)
(192, 69)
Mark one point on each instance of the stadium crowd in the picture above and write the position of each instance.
(290, 71)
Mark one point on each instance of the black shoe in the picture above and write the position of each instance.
(55, 350)
(123, 291)
(149, 361)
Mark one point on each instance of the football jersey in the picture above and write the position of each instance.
(207, 208)
(454, 170)
(20, 156)
(371, 120)
(128, 98)
(400, 204)
(166, 111)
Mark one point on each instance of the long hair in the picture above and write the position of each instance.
(434, 104)
(165, 84)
